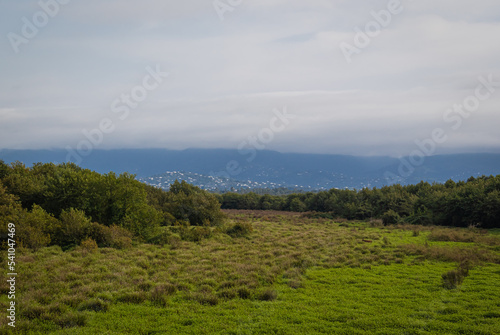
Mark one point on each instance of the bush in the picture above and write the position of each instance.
(30, 237)
(113, 236)
(71, 320)
(390, 217)
(268, 295)
(244, 293)
(161, 236)
(75, 227)
(96, 305)
(375, 223)
(240, 229)
(452, 279)
(88, 246)
(36, 229)
(451, 235)
(132, 297)
(228, 293)
(194, 234)
(205, 298)
(159, 294)
(194, 205)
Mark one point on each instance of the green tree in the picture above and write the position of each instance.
(75, 227)
(391, 217)
(36, 228)
(191, 204)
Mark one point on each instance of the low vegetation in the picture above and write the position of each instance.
(105, 254)
(355, 274)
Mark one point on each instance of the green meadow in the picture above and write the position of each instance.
(290, 273)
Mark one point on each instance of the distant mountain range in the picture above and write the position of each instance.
(221, 169)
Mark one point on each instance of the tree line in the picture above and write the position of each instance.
(473, 202)
(65, 204)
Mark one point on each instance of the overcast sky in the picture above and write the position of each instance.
(230, 67)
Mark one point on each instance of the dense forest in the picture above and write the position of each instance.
(66, 205)
(475, 202)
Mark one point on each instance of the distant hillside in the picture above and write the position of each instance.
(220, 169)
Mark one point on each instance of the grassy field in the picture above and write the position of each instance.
(292, 275)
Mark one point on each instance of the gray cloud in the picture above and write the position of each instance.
(226, 77)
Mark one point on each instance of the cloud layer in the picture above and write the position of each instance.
(227, 76)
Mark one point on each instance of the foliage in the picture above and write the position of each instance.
(65, 204)
(454, 278)
(88, 246)
(282, 275)
(475, 202)
(75, 227)
(36, 228)
(240, 229)
(390, 217)
(191, 204)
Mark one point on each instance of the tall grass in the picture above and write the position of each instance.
(59, 288)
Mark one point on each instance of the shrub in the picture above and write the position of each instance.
(390, 217)
(451, 235)
(32, 311)
(161, 236)
(36, 229)
(452, 279)
(240, 229)
(268, 295)
(96, 305)
(159, 294)
(174, 241)
(132, 297)
(205, 298)
(228, 293)
(113, 236)
(88, 246)
(386, 241)
(195, 234)
(33, 238)
(194, 205)
(71, 320)
(375, 223)
(295, 284)
(244, 293)
(75, 227)
(143, 221)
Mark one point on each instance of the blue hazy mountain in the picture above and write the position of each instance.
(230, 168)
